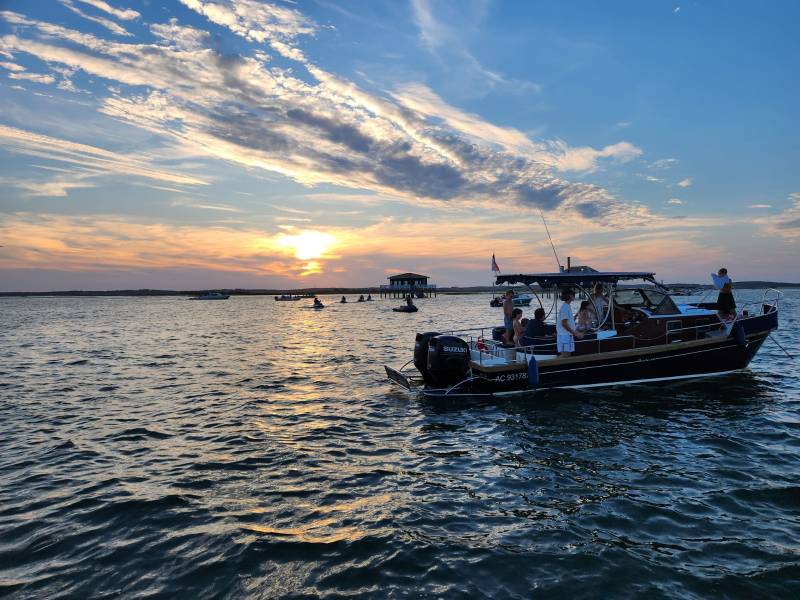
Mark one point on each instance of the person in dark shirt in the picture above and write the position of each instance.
(537, 327)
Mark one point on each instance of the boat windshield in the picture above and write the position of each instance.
(658, 303)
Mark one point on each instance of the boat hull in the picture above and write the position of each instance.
(684, 361)
(678, 363)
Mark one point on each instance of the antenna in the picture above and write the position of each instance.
(558, 262)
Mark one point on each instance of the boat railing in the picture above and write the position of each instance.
(490, 350)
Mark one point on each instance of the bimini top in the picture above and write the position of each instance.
(576, 278)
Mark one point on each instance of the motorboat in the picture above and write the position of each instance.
(519, 300)
(289, 298)
(211, 296)
(644, 336)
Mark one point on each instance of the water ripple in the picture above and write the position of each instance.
(158, 447)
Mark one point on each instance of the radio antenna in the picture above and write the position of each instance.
(558, 262)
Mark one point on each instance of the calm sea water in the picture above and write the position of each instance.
(252, 448)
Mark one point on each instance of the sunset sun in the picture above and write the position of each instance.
(307, 245)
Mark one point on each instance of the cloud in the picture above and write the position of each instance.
(107, 23)
(651, 178)
(254, 20)
(787, 223)
(684, 183)
(101, 242)
(760, 206)
(57, 187)
(35, 77)
(664, 163)
(86, 161)
(185, 38)
(189, 203)
(675, 201)
(444, 38)
(126, 14)
(318, 129)
(586, 159)
(9, 66)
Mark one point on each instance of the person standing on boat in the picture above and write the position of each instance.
(565, 326)
(599, 302)
(517, 326)
(508, 310)
(726, 305)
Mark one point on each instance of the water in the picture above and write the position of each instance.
(252, 448)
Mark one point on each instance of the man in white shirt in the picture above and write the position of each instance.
(565, 326)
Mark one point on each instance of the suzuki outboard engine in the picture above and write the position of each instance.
(421, 355)
(448, 360)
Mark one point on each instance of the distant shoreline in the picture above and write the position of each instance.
(742, 285)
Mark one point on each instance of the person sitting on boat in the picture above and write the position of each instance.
(565, 326)
(726, 305)
(599, 303)
(517, 326)
(369, 297)
(409, 300)
(508, 309)
(343, 300)
(361, 298)
(585, 316)
(537, 328)
(317, 301)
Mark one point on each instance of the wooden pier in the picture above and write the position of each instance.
(404, 284)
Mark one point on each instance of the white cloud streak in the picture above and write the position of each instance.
(126, 14)
(113, 27)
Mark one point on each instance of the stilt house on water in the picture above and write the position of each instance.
(408, 283)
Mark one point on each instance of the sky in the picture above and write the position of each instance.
(200, 144)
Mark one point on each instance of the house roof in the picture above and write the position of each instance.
(408, 276)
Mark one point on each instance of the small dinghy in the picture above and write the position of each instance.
(408, 309)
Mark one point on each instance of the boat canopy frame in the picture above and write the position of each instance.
(582, 279)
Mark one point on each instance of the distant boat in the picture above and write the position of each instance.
(407, 309)
(211, 296)
(517, 300)
(289, 298)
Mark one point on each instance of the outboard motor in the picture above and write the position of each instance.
(448, 360)
(421, 355)
(498, 333)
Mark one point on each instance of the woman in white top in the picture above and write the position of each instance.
(726, 305)
(565, 326)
